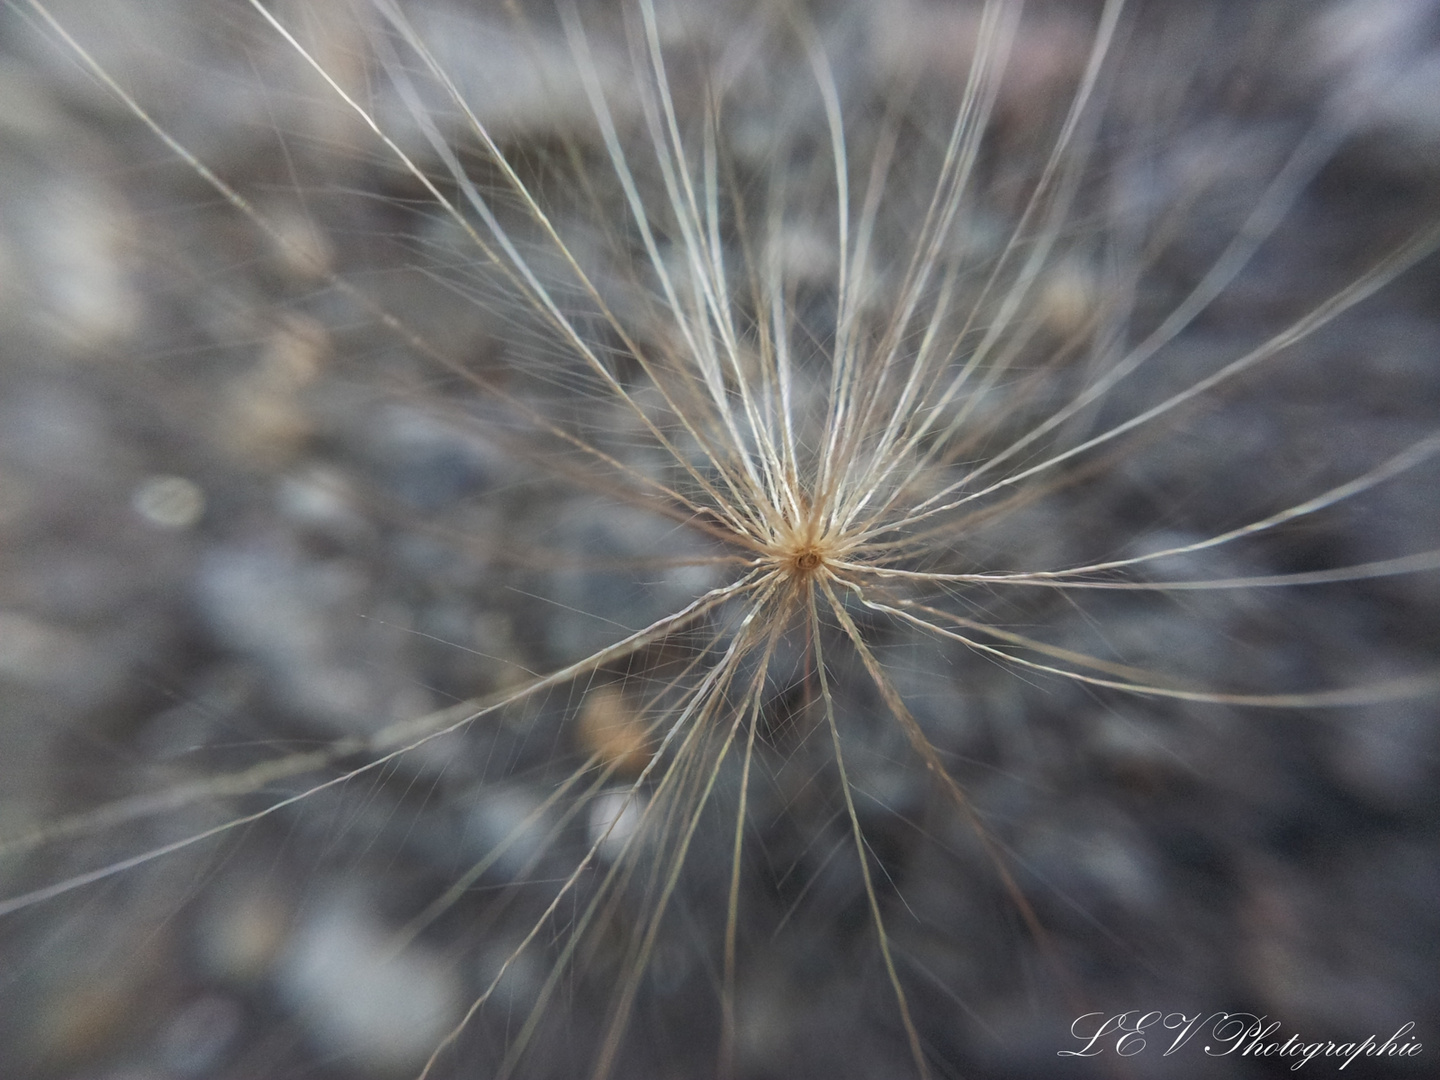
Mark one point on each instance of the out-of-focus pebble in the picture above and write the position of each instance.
(611, 726)
(169, 502)
(614, 821)
(65, 230)
(1381, 59)
(196, 1038)
(265, 417)
(384, 1012)
(508, 815)
(36, 652)
(241, 933)
(303, 620)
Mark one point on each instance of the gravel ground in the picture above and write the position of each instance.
(243, 523)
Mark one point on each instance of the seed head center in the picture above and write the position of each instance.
(806, 560)
(806, 548)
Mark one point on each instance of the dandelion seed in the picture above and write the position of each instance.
(857, 517)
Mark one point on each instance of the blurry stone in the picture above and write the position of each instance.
(194, 1041)
(52, 431)
(322, 500)
(1382, 60)
(1094, 861)
(304, 620)
(603, 582)
(615, 821)
(1327, 948)
(86, 1020)
(88, 1006)
(265, 417)
(65, 229)
(39, 653)
(301, 248)
(518, 79)
(429, 460)
(384, 1013)
(506, 815)
(1386, 754)
(938, 43)
(803, 253)
(611, 726)
(241, 933)
(494, 637)
(169, 502)
(1067, 297)
(1146, 754)
(765, 1008)
(18, 499)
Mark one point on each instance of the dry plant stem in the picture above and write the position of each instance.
(402, 737)
(726, 1067)
(387, 318)
(750, 705)
(855, 506)
(598, 782)
(693, 720)
(911, 1035)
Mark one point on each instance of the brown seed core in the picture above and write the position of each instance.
(807, 560)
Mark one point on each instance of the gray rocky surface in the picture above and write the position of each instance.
(241, 521)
